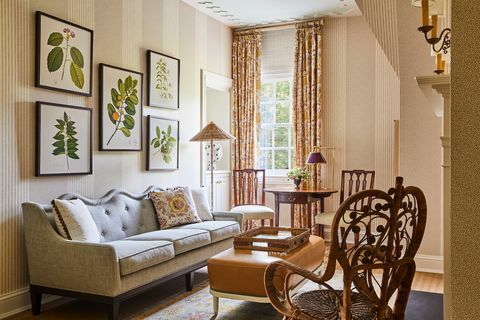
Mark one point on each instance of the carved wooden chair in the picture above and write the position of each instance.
(249, 196)
(353, 181)
(380, 265)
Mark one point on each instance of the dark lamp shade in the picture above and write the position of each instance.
(316, 157)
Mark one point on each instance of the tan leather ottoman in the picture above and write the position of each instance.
(238, 274)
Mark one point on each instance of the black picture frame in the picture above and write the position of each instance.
(103, 105)
(38, 139)
(150, 100)
(149, 166)
(39, 15)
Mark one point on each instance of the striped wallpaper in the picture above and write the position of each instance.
(123, 30)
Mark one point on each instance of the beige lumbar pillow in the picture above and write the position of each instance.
(201, 203)
(74, 221)
(174, 207)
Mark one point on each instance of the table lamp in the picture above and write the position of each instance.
(210, 133)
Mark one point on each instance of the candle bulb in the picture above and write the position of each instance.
(443, 65)
(435, 25)
(439, 61)
(425, 14)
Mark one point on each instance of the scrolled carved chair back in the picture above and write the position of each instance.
(248, 187)
(382, 261)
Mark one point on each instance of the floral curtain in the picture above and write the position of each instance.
(307, 100)
(245, 97)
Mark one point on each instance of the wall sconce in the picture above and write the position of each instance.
(434, 9)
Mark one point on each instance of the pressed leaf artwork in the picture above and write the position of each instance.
(164, 142)
(161, 80)
(123, 106)
(66, 143)
(63, 53)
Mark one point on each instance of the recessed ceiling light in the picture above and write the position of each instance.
(220, 11)
(226, 15)
(204, 2)
(213, 7)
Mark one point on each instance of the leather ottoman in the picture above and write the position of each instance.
(238, 274)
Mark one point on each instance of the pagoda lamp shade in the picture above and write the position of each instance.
(316, 157)
(212, 132)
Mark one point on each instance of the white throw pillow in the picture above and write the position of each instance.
(74, 221)
(201, 203)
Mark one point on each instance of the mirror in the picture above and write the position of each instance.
(216, 107)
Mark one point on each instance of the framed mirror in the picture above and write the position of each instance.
(216, 107)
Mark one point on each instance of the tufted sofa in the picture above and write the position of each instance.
(132, 257)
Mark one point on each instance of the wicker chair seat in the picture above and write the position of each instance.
(324, 305)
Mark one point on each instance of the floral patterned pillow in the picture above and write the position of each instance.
(174, 207)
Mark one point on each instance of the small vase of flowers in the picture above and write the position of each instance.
(297, 175)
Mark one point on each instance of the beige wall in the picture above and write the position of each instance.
(124, 29)
(420, 128)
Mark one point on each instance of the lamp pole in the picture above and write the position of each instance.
(211, 174)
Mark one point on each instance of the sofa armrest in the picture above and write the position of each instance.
(228, 216)
(65, 264)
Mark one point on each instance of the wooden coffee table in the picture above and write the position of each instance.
(238, 274)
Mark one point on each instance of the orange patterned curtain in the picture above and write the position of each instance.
(245, 97)
(307, 100)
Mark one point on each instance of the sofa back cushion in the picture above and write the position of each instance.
(120, 214)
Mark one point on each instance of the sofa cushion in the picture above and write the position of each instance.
(74, 221)
(183, 239)
(219, 230)
(201, 203)
(137, 255)
(174, 207)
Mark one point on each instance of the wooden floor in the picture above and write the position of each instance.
(80, 310)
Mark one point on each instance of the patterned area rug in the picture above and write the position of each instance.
(197, 305)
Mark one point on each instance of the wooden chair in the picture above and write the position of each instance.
(353, 181)
(249, 196)
(380, 265)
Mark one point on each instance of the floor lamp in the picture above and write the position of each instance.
(210, 133)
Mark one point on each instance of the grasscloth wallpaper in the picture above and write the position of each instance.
(123, 31)
(465, 221)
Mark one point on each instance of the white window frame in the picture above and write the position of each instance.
(290, 148)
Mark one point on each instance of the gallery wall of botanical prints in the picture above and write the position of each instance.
(132, 94)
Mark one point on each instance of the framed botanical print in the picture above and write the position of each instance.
(163, 143)
(163, 80)
(120, 109)
(63, 139)
(63, 55)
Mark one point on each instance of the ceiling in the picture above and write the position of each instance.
(247, 13)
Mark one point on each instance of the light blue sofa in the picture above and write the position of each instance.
(133, 256)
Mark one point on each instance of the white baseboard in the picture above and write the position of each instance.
(18, 301)
(428, 263)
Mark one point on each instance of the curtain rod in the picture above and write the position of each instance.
(277, 26)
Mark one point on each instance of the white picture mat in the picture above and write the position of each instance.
(155, 157)
(51, 164)
(119, 141)
(172, 78)
(82, 41)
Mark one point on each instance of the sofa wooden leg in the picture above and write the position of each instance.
(36, 300)
(113, 311)
(189, 280)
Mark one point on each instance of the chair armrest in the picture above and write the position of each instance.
(65, 264)
(228, 216)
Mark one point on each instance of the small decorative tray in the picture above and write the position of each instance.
(273, 239)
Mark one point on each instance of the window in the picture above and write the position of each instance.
(275, 134)
(276, 130)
